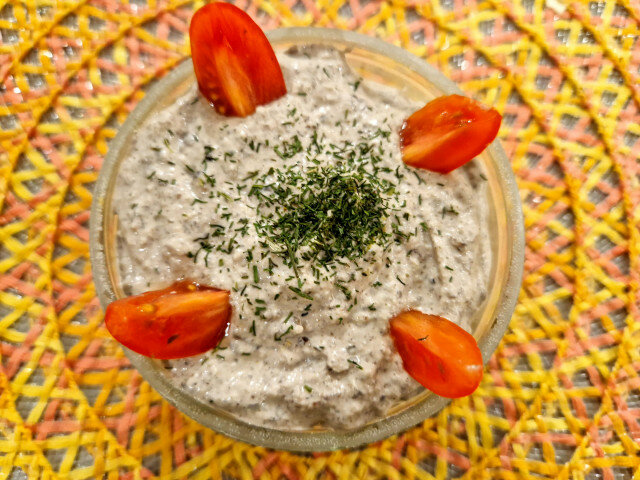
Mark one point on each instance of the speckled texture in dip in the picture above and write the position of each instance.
(219, 199)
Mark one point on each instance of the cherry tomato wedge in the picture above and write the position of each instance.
(182, 320)
(437, 353)
(234, 63)
(447, 133)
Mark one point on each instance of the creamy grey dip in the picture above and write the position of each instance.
(224, 200)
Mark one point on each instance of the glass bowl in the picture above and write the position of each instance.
(376, 61)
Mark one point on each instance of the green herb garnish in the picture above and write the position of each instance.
(277, 337)
(353, 362)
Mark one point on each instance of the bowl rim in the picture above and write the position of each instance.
(307, 441)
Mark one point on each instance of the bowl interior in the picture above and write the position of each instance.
(375, 61)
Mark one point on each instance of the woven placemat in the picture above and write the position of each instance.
(560, 398)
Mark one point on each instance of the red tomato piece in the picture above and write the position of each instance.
(182, 320)
(437, 353)
(234, 63)
(447, 133)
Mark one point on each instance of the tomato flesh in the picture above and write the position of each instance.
(437, 353)
(234, 62)
(447, 133)
(179, 321)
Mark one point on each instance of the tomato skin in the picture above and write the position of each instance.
(179, 321)
(234, 62)
(448, 132)
(437, 353)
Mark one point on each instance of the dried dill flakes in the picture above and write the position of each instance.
(450, 209)
(335, 214)
(324, 214)
(309, 216)
(354, 363)
(277, 337)
(289, 149)
(300, 293)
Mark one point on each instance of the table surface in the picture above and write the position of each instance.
(560, 397)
